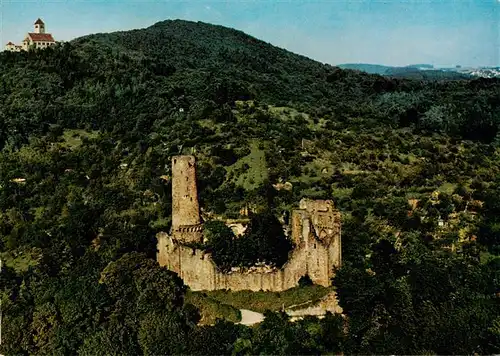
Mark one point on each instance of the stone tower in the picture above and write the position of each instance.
(39, 26)
(186, 221)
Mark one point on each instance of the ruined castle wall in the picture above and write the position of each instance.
(325, 252)
(335, 250)
(254, 281)
(197, 268)
(311, 256)
(295, 267)
(167, 254)
(322, 216)
(297, 222)
(199, 272)
(318, 264)
(313, 206)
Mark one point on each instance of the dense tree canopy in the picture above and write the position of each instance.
(263, 242)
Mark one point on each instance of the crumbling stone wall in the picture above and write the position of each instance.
(315, 230)
(311, 256)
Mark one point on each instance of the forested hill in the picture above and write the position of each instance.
(213, 60)
(175, 64)
(87, 132)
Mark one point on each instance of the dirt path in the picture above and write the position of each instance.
(327, 303)
(249, 317)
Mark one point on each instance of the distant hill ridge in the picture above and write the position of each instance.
(412, 71)
(365, 67)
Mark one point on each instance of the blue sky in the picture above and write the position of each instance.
(439, 32)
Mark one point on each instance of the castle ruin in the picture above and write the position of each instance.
(186, 221)
(315, 231)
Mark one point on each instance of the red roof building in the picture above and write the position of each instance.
(36, 39)
(41, 37)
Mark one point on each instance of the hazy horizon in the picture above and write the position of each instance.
(394, 33)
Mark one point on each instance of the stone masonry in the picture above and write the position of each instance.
(186, 221)
(315, 230)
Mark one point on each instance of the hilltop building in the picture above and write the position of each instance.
(314, 229)
(37, 39)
